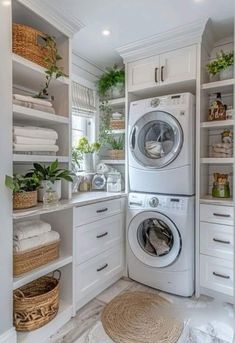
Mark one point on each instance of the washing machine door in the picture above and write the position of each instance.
(154, 239)
(156, 139)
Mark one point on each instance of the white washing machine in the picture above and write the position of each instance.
(160, 242)
(161, 144)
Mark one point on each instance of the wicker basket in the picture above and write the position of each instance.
(28, 43)
(117, 124)
(36, 303)
(116, 154)
(24, 200)
(28, 260)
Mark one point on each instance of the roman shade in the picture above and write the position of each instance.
(83, 99)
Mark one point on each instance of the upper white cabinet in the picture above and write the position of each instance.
(172, 67)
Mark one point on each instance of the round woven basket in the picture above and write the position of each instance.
(23, 200)
(140, 317)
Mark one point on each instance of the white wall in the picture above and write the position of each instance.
(5, 168)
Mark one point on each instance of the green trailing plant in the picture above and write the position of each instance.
(117, 143)
(50, 173)
(76, 159)
(22, 183)
(53, 70)
(105, 116)
(223, 61)
(84, 147)
(113, 76)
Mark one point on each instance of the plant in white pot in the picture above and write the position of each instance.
(111, 84)
(50, 176)
(223, 66)
(88, 151)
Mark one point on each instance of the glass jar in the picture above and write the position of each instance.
(50, 197)
(114, 182)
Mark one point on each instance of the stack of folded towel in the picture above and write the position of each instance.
(33, 234)
(36, 140)
(35, 103)
(222, 150)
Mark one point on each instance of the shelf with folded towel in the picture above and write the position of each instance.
(217, 160)
(25, 158)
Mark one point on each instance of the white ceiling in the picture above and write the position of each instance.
(131, 20)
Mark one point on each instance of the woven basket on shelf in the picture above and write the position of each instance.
(36, 303)
(23, 200)
(28, 43)
(31, 259)
(117, 124)
(116, 154)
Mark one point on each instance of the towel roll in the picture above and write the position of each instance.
(30, 228)
(36, 241)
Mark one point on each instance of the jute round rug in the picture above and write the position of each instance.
(140, 317)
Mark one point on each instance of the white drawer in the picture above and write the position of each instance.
(89, 213)
(216, 240)
(216, 274)
(93, 274)
(216, 214)
(94, 238)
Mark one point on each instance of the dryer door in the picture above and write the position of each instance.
(156, 139)
(154, 239)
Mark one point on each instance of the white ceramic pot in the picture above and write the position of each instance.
(45, 184)
(227, 73)
(89, 162)
(118, 91)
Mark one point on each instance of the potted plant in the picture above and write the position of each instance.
(24, 190)
(222, 65)
(50, 177)
(86, 150)
(111, 84)
(117, 147)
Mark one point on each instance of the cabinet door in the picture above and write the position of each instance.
(143, 73)
(178, 65)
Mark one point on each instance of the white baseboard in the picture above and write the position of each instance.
(8, 336)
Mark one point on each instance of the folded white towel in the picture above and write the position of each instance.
(28, 98)
(32, 148)
(36, 241)
(35, 132)
(30, 228)
(33, 141)
(34, 106)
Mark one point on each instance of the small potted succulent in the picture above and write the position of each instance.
(111, 84)
(24, 190)
(222, 66)
(117, 147)
(86, 151)
(50, 177)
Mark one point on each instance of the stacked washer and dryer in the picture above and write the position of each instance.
(160, 220)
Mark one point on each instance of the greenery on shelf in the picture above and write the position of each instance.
(105, 117)
(53, 70)
(22, 183)
(111, 78)
(116, 143)
(222, 62)
(50, 173)
(84, 147)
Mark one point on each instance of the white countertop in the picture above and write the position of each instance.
(79, 199)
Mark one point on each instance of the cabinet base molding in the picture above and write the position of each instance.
(8, 336)
(216, 295)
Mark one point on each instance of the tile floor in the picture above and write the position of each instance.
(205, 320)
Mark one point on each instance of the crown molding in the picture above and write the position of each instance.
(60, 18)
(176, 38)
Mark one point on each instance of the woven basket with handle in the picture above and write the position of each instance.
(36, 303)
(30, 44)
(24, 200)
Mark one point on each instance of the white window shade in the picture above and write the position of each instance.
(83, 99)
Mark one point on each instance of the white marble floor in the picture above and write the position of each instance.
(205, 320)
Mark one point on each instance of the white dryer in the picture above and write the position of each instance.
(160, 242)
(161, 144)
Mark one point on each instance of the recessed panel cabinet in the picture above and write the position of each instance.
(171, 67)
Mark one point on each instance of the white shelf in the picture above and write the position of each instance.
(215, 160)
(217, 124)
(31, 75)
(219, 86)
(208, 199)
(62, 261)
(24, 113)
(113, 161)
(116, 132)
(24, 158)
(117, 102)
(42, 334)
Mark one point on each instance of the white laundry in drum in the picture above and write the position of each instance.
(158, 149)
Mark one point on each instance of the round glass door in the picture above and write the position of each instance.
(156, 139)
(154, 239)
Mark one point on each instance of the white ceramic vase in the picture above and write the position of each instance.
(45, 184)
(118, 91)
(89, 162)
(227, 73)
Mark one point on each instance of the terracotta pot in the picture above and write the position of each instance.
(23, 200)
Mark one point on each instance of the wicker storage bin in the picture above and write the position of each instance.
(31, 259)
(24, 200)
(116, 154)
(117, 124)
(28, 43)
(36, 303)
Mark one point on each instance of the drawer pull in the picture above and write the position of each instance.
(221, 215)
(221, 241)
(102, 268)
(102, 235)
(102, 210)
(221, 275)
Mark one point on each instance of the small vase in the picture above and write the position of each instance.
(89, 162)
(227, 73)
(45, 184)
